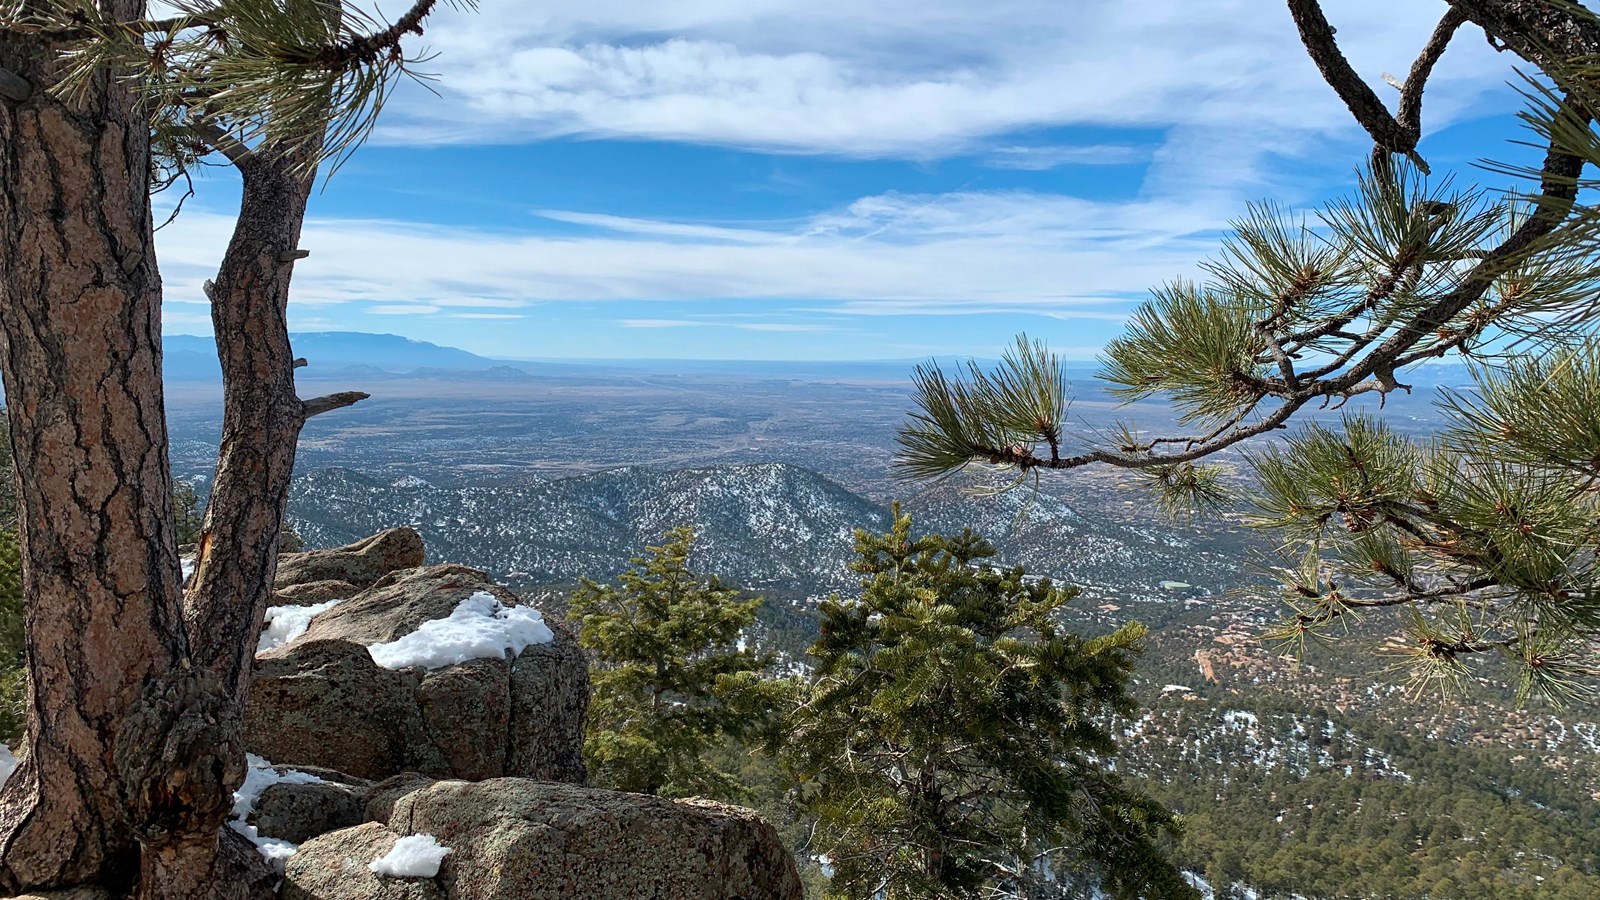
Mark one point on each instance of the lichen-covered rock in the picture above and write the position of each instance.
(296, 812)
(360, 564)
(512, 837)
(313, 592)
(334, 867)
(322, 701)
(327, 704)
(382, 796)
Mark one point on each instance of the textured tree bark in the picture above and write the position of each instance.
(1544, 33)
(134, 728)
(262, 417)
(136, 689)
(119, 746)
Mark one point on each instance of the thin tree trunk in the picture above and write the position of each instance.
(237, 557)
(261, 421)
(126, 744)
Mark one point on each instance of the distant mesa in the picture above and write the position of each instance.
(193, 358)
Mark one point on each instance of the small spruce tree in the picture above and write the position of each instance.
(954, 740)
(669, 675)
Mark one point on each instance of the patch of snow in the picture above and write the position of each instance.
(261, 776)
(1199, 883)
(1176, 689)
(479, 627)
(285, 624)
(8, 763)
(414, 856)
(186, 565)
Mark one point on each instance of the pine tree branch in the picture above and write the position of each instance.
(1548, 34)
(221, 141)
(371, 48)
(1410, 115)
(1449, 594)
(39, 32)
(319, 405)
(176, 23)
(1387, 132)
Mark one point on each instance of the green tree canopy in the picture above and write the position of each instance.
(954, 739)
(671, 676)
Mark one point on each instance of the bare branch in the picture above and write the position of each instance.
(176, 23)
(1318, 37)
(289, 256)
(1448, 594)
(319, 405)
(220, 141)
(1410, 116)
(14, 87)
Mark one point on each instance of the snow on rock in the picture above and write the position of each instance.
(260, 777)
(284, 624)
(415, 856)
(479, 627)
(8, 763)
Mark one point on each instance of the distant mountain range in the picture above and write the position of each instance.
(331, 353)
(764, 525)
(190, 358)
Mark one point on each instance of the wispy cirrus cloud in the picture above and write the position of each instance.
(402, 309)
(949, 253)
(1044, 158)
(895, 78)
(779, 327)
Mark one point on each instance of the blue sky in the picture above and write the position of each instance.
(875, 179)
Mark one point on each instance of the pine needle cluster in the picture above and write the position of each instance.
(308, 77)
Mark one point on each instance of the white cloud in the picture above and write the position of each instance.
(912, 79)
(1039, 159)
(402, 309)
(900, 253)
(742, 326)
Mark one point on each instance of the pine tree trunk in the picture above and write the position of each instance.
(126, 744)
(134, 715)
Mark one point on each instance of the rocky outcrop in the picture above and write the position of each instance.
(297, 811)
(360, 564)
(322, 700)
(512, 837)
(313, 592)
(372, 736)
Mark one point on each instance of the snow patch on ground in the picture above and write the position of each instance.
(480, 627)
(284, 624)
(8, 763)
(260, 777)
(414, 856)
